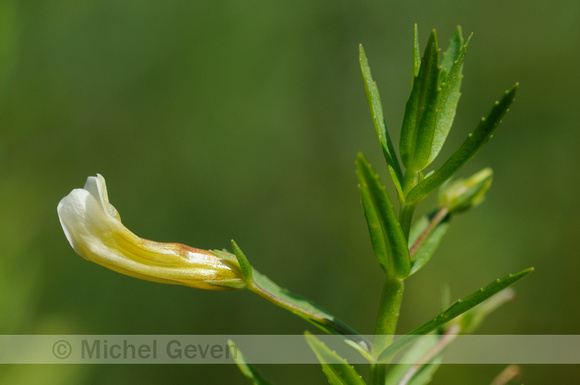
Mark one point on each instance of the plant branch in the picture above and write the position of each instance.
(437, 218)
(510, 373)
(445, 340)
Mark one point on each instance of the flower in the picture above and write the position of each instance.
(94, 230)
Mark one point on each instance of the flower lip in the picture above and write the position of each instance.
(94, 229)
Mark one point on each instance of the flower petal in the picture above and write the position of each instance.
(94, 230)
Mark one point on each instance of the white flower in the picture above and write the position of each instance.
(93, 228)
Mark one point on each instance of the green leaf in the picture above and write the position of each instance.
(375, 105)
(453, 50)
(337, 370)
(421, 111)
(468, 149)
(243, 261)
(414, 354)
(448, 97)
(389, 242)
(472, 319)
(430, 244)
(426, 373)
(458, 308)
(416, 52)
(314, 314)
(247, 370)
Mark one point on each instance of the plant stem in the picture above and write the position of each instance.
(406, 218)
(406, 214)
(386, 325)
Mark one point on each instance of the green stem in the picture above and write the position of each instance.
(406, 214)
(406, 218)
(386, 325)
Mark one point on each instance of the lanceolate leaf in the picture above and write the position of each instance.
(375, 105)
(421, 111)
(452, 52)
(448, 97)
(389, 242)
(336, 369)
(458, 308)
(416, 53)
(247, 370)
(318, 316)
(468, 149)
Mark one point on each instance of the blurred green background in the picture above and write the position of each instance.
(214, 120)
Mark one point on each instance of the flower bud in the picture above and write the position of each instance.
(94, 230)
(463, 194)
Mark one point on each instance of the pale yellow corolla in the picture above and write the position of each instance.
(93, 228)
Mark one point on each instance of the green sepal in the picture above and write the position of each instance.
(387, 238)
(448, 97)
(247, 370)
(375, 105)
(337, 370)
(319, 316)
(421, 111)
(426, 250)
(243, 261)
(459, 307)
(236, 284)
(467, 150)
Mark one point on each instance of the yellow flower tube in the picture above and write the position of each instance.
(93, 228)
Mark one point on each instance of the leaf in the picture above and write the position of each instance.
(414, 354)
(428, 247)
(337, 370)
(472, 319)
(375, 105)
(466, 151)
(320, 317)
(421, 111)
(247, 370)
(458, 308)
(452, 52)
(448, 97)
(389, 242)
(426, 373)
(416, 52)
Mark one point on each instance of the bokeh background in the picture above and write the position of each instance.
(214, 120)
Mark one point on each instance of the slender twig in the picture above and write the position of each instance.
(510, 373)
(442, 343)
(437, 218)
